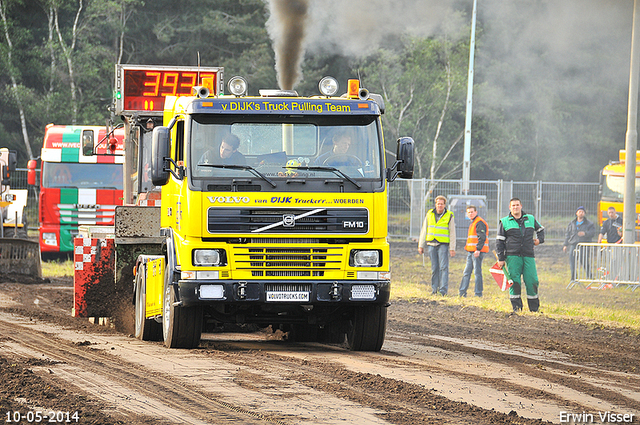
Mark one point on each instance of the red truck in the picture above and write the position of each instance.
(77, 189)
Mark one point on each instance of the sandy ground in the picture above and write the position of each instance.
(439, 364)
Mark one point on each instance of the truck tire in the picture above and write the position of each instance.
(145, 329)
(181, 326)
(367, 328)
(10, 232)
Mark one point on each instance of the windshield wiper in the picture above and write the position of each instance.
(241, 167)
(326, 168)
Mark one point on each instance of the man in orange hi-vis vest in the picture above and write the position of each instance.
(477, 245)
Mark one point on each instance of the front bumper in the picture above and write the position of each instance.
(269, 292)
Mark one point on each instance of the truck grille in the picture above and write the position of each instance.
(287, 262)
(91, 214)
(287, 287)
(260, 221)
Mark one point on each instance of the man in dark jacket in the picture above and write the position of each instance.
(611, 228)
(580, 230)
(518, 233)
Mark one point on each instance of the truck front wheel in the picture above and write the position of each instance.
(367, 328)
(146, 329)
(181, 326)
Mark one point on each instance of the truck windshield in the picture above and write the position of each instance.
(613, 188)
(81, 175)
(301, 147)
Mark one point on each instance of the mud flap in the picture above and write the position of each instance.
(93, 280)
(20, 256)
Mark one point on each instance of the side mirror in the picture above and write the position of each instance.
(31, 172)
(404, 156)
(160, 149)
(13, 161)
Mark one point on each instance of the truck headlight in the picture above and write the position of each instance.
(365, 258)
(207, 257)
(238, 86)
(211, 292)
(50, 239)
(328, 86)
(199, 274)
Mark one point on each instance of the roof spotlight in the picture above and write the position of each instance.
(328, 86)
(238, 86)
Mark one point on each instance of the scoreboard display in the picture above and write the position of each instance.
(143, 89)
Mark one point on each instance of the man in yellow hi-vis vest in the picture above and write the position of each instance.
(439, 234)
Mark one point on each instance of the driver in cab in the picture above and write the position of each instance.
(338, 155)
(228, 153)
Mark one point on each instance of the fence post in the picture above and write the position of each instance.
(417, 204)
(498, 202)
(538, 199)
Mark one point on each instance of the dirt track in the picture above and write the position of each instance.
(439, 364)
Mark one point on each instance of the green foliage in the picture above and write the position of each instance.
(544, 107)
(414, 81)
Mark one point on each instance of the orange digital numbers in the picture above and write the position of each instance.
(146, 89)
(188, 81)
(170, 81)
(154, 82)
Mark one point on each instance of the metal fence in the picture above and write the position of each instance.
(600, 266)
(553, 204)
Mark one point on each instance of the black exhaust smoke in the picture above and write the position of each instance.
(287, 28)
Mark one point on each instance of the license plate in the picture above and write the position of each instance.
(288, 296)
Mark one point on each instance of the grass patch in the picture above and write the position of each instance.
(617, 307)
(57, 268)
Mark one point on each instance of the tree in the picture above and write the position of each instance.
(423, 88)
(7, 58)
(68, 53)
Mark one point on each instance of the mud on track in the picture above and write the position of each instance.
(440, 364)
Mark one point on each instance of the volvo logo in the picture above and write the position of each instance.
(288, 220)
(229, 199)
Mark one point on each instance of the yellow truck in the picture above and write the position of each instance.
(268, 209)
(612, 187)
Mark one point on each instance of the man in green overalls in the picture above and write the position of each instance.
(518, 233)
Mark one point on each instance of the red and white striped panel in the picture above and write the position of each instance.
(149, 202)
(85, 249)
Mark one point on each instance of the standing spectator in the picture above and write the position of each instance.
(439, 234)
(579, 230)
(477, 245)
(612, 230)
(612, 227)
(518, 233)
